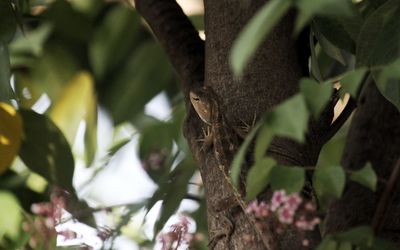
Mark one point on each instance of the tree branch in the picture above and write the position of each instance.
(386, 199)
(338, 123)
(178, 37)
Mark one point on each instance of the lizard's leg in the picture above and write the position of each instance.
(207, 139)
(245, 128)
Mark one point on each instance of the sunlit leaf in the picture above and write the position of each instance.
(45, 150)
(388, 82)
(329, 181)
(379, 40)
(255, 32)
(291, 179)
(365, 176)
(10, 135)
(10, 215)
(8, 23)
(290, 118)
(77, 102)
(258, 177)
(316, 95)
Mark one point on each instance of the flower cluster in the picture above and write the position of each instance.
(178, 234)
(288, 209)
(48, 216)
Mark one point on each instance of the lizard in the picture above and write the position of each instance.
(218, 134)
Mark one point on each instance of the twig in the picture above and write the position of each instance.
(386, 199)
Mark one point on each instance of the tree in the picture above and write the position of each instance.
(269, 74)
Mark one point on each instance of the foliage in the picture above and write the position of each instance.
(70, 59)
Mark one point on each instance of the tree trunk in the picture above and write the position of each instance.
(271, 77)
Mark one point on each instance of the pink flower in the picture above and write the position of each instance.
(293, 201)
(285, 215)
(307, 225)
(309, 206)
(260, 210)
(177, 235)
(278, 198)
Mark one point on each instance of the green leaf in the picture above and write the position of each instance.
(316, 95)
(388, 82)
(351, 80)
(8, 23)
(315, 67)
(345, 246)
(365, 176)
(329, 48)
(113, 40)
(379, 40)
(326, 8)
(31, 43)
(291, 179)
(145, 74)
(290, 118)
(172, 190)
(327, 244)
(264, 138)
(10, 215)
(240, 154)
(154, 138)
(69, 24)
(329, 181)
(331, 153)
(54, 69)
(255, 32)
(258, 177)
(45, 150)
(359, 236)
(6, 92)
(335, 32)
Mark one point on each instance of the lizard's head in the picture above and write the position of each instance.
(201, 104)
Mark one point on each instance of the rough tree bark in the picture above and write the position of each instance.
(270, 78)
